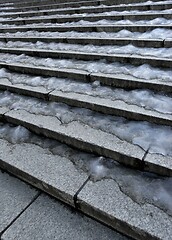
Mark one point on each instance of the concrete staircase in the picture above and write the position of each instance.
(85, 107)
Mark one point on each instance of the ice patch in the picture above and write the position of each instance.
(156, 138)
(157, 33)
(144, 71)
(115, 49)
(143, 98)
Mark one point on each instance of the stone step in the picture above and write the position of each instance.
(52, 6)
(18, 3)
(122, 58)
(98, 9)
(46, 2)
(103, 105)
(21, 202)
(80, 75)
(85, 28)
(84, 137)
(118, 17)
(103, 200)
(156, 43)
(22, 205)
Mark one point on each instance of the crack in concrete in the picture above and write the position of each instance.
(84, 170)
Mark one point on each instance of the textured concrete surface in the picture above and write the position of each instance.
(14, 198)
(105, 201)
(3, 110)
(153, 161)
(79, 135)
(108, 106)
(168, 42)
(67, 19)
(122, 81)
(38, 92)
(51, 173)
(49, 219)
(122, 58)
(84, 28)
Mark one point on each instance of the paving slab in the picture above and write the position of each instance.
(105, 201)
(51, 173)
(80, 136)
(14, 198)
(49, 219)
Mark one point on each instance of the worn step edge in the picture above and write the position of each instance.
(122, 58)
(62, 184)
(105, 201)
(86, 28)
(105, 106)
(80, 136)
(155, 43)
(85, 138)
(83, 76)
(77, 201)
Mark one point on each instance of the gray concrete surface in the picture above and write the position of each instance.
(49, 219)
(97, 9)
(15, 196)
(54, 174)
(128, 82)
(152, 161)
(105, 201)
(67, 19)
(3, 110)
(117, 80)
(85, 28)
(23, 89)
(122, 58)
(156, 43)
(107, 106)
(80, 136)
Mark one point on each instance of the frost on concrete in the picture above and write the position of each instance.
(88, 48)
(156, 138)
(143, 98)
(144, 71)
(103, 13)
(142, 187)
(156, 21)
(157, 33)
